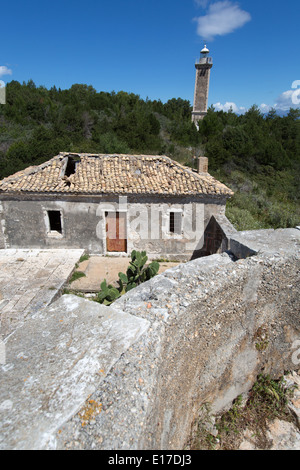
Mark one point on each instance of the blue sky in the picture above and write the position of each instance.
(149, 47)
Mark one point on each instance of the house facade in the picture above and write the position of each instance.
(112, 204)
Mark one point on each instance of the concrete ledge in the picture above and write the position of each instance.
(54, 362)
(251, 242)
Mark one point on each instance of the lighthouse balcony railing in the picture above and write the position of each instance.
(204, 60)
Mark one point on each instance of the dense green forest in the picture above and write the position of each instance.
(256, 155)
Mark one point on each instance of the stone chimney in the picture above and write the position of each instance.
(202, 165)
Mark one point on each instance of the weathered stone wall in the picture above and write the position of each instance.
(25, 224)
(214, 325)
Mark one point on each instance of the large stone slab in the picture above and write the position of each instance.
(30, 280)
(54, 362)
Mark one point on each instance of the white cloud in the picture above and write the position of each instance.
(4, 70)
(229, 106)
(201, 3)
(222, 18)
(265, 108)
(288, 99)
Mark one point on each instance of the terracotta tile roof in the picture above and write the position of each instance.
(118, 174)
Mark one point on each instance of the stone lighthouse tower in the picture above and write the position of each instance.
(203, 66)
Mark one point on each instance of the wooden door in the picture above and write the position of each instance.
(116, 238)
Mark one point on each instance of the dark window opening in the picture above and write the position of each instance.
(71, 165)
(55, 221)
(175, 222)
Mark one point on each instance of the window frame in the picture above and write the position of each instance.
(177, 224)
(50, 232)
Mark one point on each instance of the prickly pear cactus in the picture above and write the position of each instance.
(136, 273)
(108, 293)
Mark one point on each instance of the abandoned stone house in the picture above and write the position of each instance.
(112, 204)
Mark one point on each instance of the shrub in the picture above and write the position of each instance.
(242, 219)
